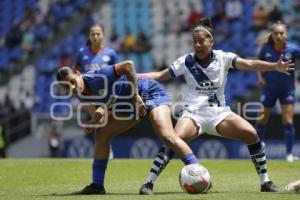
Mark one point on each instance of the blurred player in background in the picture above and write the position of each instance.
(95, 56)
(278, 85)
(125, 97)
(205, 72)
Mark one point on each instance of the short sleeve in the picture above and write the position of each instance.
(114, 57)
(262, 52)
(177, 67)
(230, 60)
(78, 60)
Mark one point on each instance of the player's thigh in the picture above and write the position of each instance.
(160, 118)
(287, 113)
(235, 127)
(186, 129)
(115, 127)
(268, 98)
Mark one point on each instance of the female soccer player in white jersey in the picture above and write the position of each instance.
(205, 72)
(116, 88)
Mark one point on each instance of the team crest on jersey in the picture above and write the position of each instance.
(85, 57)
(288, 56)
(106, 58)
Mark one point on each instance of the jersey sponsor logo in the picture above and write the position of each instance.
(92, 66)
(149, 103)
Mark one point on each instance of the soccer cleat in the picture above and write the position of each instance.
(291, 158)
(269, 187)
(293, 186)
(147, 189)
(90, 190)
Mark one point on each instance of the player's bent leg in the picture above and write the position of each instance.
(161, 160)
(160, 118)
(235, 127)
(186, 129)
(101, 154)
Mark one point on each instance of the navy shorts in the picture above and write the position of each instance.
(269, 97)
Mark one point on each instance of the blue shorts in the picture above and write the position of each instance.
(153, 95)
(269, 97)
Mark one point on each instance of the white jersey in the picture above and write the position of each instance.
(206, 84)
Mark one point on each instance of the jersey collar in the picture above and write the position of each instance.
(212, 58)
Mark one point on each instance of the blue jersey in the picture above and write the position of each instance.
(278, 81)
(88, 60)
(279, 86)
(115, 91)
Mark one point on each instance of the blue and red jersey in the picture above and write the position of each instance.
(278, 81)
(89, 60)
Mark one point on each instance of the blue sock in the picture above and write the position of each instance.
(289, 136)
(189, 159)
(260, 129)
(99, 168)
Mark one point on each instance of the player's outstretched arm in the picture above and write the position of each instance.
(259, 65)
(161, 76)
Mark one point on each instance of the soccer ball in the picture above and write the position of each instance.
(194, 179)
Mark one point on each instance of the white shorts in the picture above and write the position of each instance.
(207, 118)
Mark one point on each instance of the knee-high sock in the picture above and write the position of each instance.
(289, 135)
(161, 160)
(258, 157)
(99, 168)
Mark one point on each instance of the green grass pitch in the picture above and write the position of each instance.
(55, 178)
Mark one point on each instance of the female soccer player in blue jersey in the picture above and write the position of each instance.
(205, 71)
(95, 55)
(117, 89)
(278, 85)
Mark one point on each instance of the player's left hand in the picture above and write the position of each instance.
(139, 103)
(284, 67)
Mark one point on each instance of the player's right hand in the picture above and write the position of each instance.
(140, 105)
